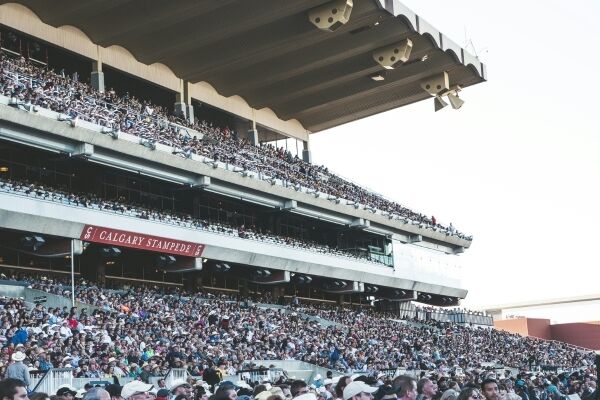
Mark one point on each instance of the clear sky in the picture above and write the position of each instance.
(518, 166)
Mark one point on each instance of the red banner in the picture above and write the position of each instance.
(116, 237)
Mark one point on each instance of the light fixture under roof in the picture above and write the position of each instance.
(378, 76)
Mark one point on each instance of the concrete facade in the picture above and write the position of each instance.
(46, 217)
(583, 334)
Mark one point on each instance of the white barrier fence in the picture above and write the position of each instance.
(50, 381)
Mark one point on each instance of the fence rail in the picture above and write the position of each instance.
(51, 380)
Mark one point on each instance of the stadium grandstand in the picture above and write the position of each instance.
(162, 226)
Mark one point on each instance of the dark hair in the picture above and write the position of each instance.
(466, 393)
(222, 393)
(296, 386)
(403, 384)
(38, 396)
(487, 381)
(8, 387)
(339, 387)
(258, 389)
(421, 383)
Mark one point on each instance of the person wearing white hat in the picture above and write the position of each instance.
(18, 370)
(358, 391)
(136, 390)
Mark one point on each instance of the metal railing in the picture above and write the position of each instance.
(174, 374)
(252, 376)
(51, 380)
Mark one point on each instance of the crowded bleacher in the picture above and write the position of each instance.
(142, 331)
(92, 201)
(30, 87)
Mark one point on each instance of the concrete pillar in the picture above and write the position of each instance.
(252, 137)
(243, 285)
(97, 78)
(183, 102)
(306, 156)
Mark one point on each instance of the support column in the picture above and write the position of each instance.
(183, 102)
(306, 156)
(252, 134)
(97, 78)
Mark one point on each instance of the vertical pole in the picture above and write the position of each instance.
(73, 272)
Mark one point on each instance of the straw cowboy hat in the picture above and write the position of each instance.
(18, 356)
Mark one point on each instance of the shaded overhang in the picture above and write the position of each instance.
(269, 53)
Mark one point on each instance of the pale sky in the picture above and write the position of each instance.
(518, 166)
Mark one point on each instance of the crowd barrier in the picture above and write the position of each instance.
(50, 381)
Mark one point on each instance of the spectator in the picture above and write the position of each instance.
(13, 389)
(18, 370)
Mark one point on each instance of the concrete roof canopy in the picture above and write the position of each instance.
(273, 54)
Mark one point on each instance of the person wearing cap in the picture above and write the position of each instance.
(136, 390)
(17, 369)
(358, 391)
(66, 392)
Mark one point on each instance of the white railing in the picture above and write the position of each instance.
(176, 374)
(252, 376)
(52, 380)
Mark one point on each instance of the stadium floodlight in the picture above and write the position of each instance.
(436, 85)
(455, 101)
(332, 15)
(33, 242)
(165, 260)
(378, 76)
(110, 252)
(388, 57)
(222, 267)
(439, 103)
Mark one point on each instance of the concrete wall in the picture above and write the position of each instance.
(25, 127)
(518, 326)
(46, 217)
(584, 334)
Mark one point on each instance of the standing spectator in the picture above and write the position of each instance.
(18, 370)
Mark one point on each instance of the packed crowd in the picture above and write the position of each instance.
(143, 331)
(476, 386)
(31, 86)
(119, 206)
